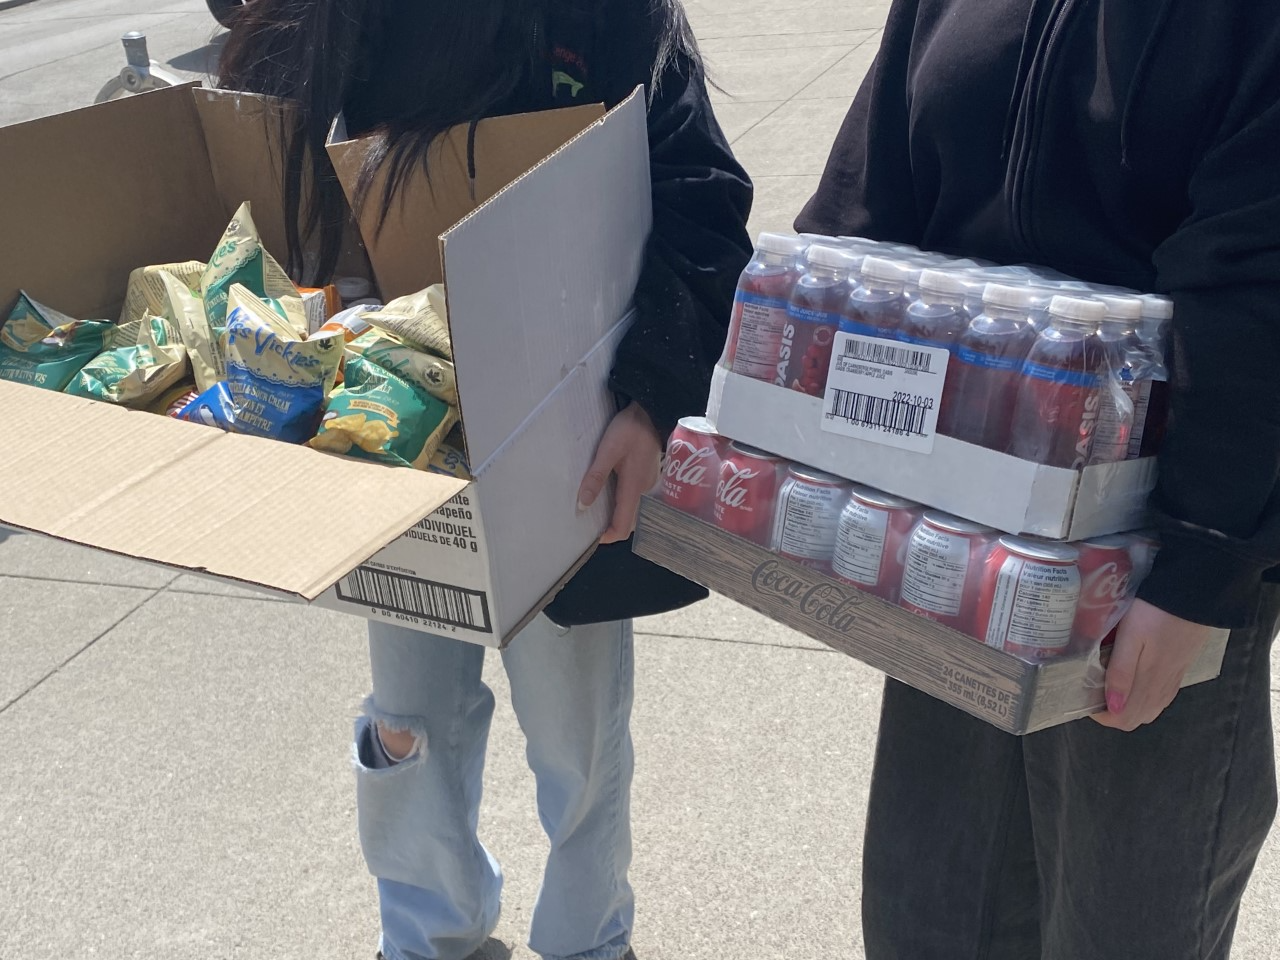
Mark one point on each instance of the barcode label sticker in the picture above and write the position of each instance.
(885, 391)
(411, 596)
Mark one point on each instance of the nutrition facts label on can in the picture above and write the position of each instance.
(806, 520)
(1034, 605)
(885, 391)
(860, 543)
(937, 564)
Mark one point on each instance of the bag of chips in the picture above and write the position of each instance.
(241, 259)
(377, 415)
(419, 320)
(185, 311)
(213, 408)
(434, 374)
(147, 293)
(278, 383)
(44, 348)
(449, 461)
(134, 376)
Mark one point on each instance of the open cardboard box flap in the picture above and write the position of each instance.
(404, 250)
(519, 306)
(185, 495)
(154, 178)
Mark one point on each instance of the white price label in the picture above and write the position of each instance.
(885, 391)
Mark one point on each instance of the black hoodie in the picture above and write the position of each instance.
(1133, 142)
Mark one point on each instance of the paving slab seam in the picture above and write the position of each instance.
(83, 583)
(818, 79)
(80, 53)
(736, 641)
(780, 105)
(119, 620)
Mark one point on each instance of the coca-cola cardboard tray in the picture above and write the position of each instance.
(363, 537)
(1010, 395)
(1031, 672)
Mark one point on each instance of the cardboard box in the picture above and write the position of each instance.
(540, 252)
(1012, 495)
(1012, 694)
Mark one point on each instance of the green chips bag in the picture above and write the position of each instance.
(134, 376)
(44, 348)
(434, 374)
(240, 258)
(377, 415)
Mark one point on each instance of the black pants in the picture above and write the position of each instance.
(1078, 842)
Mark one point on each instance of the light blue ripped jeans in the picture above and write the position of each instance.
(438, 887)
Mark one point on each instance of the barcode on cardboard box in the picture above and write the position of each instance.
(455, 606)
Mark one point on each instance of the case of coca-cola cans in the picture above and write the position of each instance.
(1014, 629)
(1008, 394)
(937, 465)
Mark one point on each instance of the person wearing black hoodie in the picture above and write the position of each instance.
(405, 71)
(1138, 144)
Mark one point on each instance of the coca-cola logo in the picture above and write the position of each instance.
(732, 488)
(688, 464)
(1104, 587)
(823, 602)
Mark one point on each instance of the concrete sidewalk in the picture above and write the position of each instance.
(177, 782)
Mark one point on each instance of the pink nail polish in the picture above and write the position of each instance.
(1115, 701)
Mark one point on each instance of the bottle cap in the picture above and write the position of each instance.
(831, 257)
(782, 244)
(884, 269)
(1078, 308)
(1007, 295)
(943, 282)
(1122, 306)
(1156, 307)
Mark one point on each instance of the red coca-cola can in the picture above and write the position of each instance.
(692, 467)
(807, 515)
(1027, 605)
(943, 569)
(871, 541)
(746, 493)
(1106, 574)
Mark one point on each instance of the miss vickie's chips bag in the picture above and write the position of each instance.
(134, 376)
(241, 259)
(379, 415)
(44, 348)
(278, 381)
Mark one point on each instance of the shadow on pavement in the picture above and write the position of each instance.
(203, 59)
(493, 949)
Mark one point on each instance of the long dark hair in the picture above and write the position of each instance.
(315, 53)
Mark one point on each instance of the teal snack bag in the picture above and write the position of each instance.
(240, 259)
(378, 415)
(134, 376)
(44, 348)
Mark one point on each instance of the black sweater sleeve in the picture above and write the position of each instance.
(1218, 496)
(698, 247)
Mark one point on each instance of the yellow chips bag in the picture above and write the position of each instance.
(419, 320)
